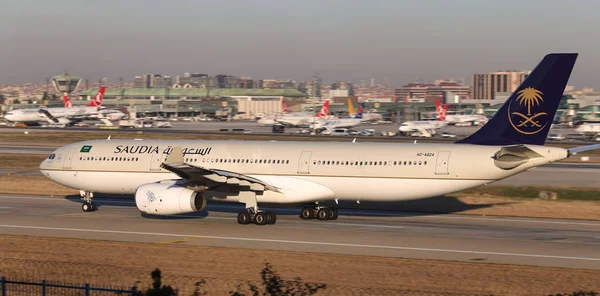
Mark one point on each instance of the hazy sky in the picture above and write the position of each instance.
(341, 40)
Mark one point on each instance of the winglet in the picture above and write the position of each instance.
(176, 155)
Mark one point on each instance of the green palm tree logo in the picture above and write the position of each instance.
(529, 97)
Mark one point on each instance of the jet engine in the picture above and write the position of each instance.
(168, 199)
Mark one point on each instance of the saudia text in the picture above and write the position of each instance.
(148, 149)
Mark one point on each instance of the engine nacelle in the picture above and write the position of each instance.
(168, 199)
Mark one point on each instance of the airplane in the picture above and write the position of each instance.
(104, 113)
(304, 119)
(170, 177)
(292, 117)
(334, 123)
(470, 119)
(61, 116)
(424, 128)
(364, 116)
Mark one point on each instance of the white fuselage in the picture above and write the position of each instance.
(303, 171)
(331, 124)
(589, 128)
(64, 113)
(465, 118)
(413, 126)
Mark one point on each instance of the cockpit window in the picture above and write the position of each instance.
(51, 156)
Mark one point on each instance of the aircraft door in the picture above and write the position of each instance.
(68, 158)
(155, 161)
(441, 166)
(304, 163)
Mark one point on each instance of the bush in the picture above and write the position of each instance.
(580, 293)
(273, 285)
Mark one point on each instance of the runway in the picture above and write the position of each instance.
(539, 242)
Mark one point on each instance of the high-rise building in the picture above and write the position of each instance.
(343, 85)
(485, 86)
(314, 89)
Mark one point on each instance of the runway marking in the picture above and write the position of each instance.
(263, 240)
(342, 212)
(6, 207)
(176, 241)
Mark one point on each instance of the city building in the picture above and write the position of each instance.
(447, 91)
(152, 81)
(342, 86)
(485, 86)
(276, 83)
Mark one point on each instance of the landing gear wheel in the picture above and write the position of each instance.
(87, 207)
(271, 218)
(243, 218)
(306, 213)
(333, 214)
(260, 218)
(323, 214)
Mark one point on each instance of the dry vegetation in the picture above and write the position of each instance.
(224, 268)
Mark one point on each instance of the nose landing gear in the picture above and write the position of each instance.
(88, 201)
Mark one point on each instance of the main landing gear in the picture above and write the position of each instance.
(88, 201)
(252, 213)
(319, 212)
(259, 217)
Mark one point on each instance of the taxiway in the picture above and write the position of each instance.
(539, 242)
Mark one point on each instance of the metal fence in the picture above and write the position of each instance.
(47, 288)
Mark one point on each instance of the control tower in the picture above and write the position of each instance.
(66, 83)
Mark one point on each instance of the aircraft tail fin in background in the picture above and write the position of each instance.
(350, 107)
(440, 111)
(97, 101)
(526, 117)
(284, 108)
(361, 109)
(67, 101)
(324, 110)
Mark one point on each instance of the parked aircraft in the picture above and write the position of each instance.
(104, 113)
(181, 176)
(364, 116)
(296, 119)
(469, 119)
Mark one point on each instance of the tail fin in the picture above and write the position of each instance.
(350, 107)
(526, 117)
(284, 108)
(97, 101)
(440, 111)
(324, 110)
(67, 101)
(361, 109)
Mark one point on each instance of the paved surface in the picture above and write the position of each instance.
(541, 242)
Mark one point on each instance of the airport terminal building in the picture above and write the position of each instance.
(196, 101)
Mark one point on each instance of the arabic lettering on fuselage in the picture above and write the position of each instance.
(149, 149)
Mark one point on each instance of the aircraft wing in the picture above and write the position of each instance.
(583, 148)
(424, 132)
(212, 177)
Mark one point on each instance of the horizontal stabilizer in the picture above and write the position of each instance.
(575, 150)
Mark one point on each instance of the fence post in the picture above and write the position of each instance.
(43, 287)
(3, 286)
(133, 290)
(87, 289)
